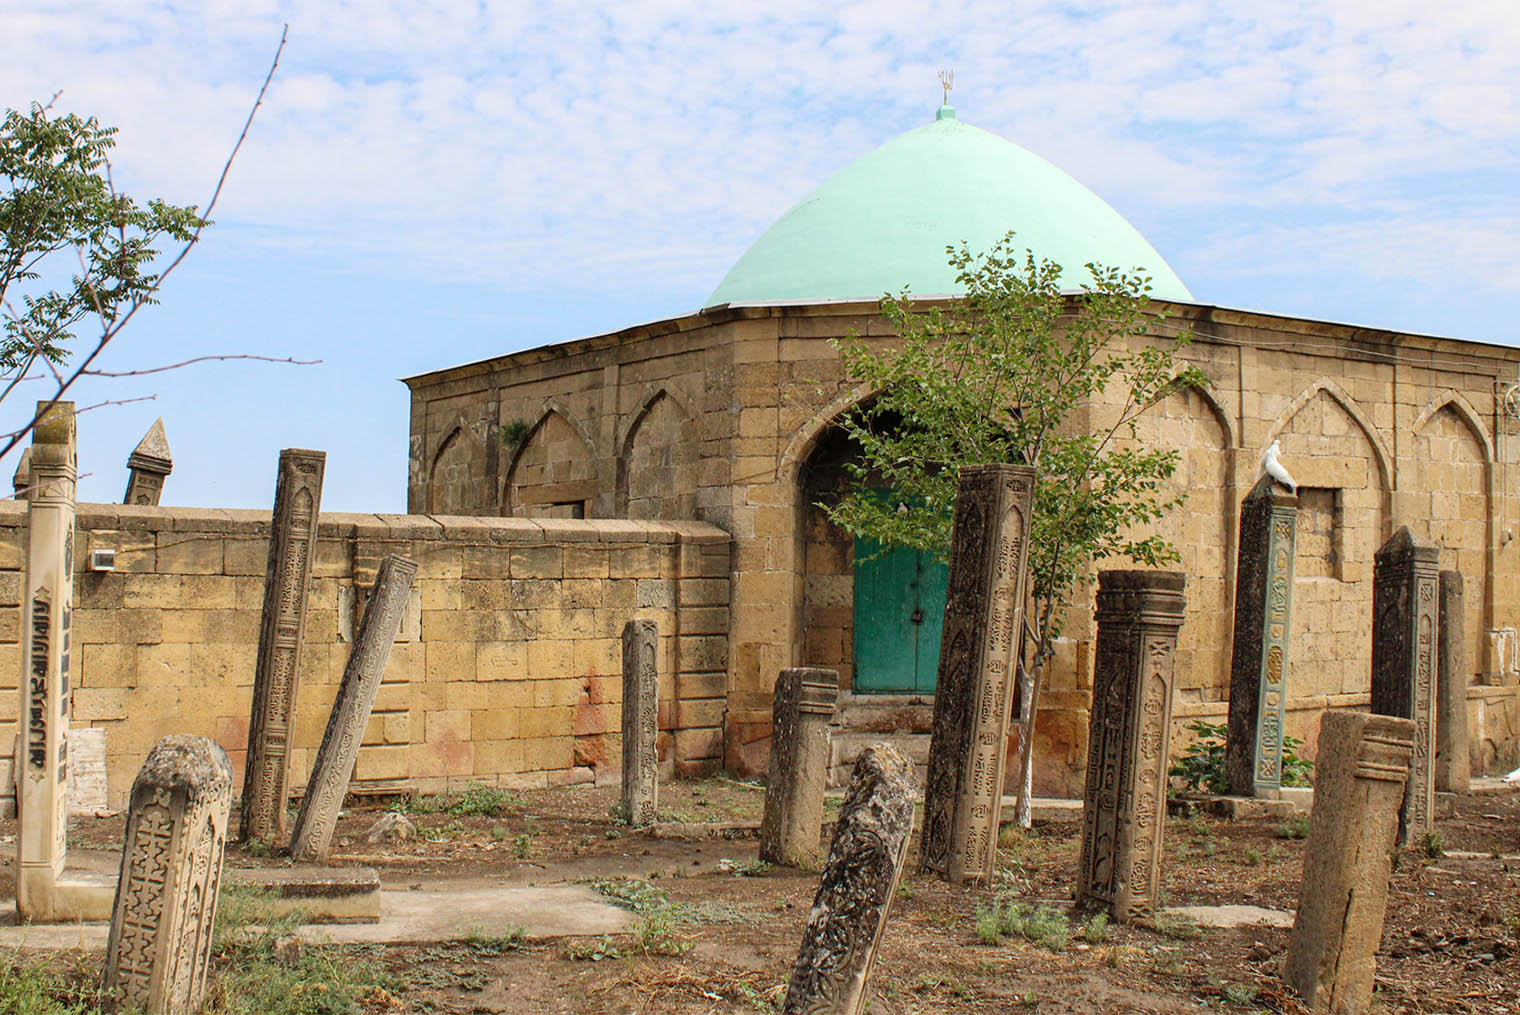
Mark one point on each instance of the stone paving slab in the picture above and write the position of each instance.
(455, 910)
(1233, 916)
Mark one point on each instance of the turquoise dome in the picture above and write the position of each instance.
(883, 222)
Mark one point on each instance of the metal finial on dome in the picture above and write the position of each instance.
(947, 82)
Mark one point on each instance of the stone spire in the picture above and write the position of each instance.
(149, 463)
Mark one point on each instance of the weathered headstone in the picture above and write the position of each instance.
(1124, 803)
(148, 466)
(1363, 762)
(292, 543)
(855, 894)
(87, 770)
(171, 870)
(979, 649)
(1405, 580)
(351, 710)
(1263, 620)
(800, 712)
(46, 614)
(1453, 767)
(641, 721)
(21, 479)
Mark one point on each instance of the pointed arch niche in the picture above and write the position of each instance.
(553, 473)
(657, 462)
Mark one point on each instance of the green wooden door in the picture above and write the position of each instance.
(899, 613)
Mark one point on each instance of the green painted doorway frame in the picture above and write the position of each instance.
(899, 616)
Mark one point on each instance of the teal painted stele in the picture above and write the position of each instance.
(898, 617)
(883, 222)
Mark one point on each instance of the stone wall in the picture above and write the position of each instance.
(507, 669)
(1380, 428)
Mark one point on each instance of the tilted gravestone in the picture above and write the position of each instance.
(159, 947)
(641, 722)
(46, 616)
(979, 650)
(1363, 762)
(1263, 621)
(292, 544)
(855, 894)
(351, 710)
(1404, 586)
(1453, 773)
(800, 712)
(148, 466)
(1124, 802)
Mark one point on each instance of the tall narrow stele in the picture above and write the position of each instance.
(42, 748)
(984, 622)
(292, 542)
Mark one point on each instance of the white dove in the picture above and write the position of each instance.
(1271, 466)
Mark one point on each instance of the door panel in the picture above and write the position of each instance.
(899, 613)
(933, 577)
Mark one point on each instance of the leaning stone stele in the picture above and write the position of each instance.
(641, 718)
(1359, 778)
(148, 466)
(800, 712)
(1263, 621)
(159, 947)
(1139, 614)
(855, 894)
(292, 543)
(46, 614)
(350, 714)
(979, 650)
(1453, 771)
(1405, 581)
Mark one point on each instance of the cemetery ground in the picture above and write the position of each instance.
(711, 929)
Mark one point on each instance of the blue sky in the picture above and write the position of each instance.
(430, 184)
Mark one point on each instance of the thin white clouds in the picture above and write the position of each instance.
(646, 143)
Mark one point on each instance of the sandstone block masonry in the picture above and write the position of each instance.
(507, 669)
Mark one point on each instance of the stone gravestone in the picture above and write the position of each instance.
(87, 770)
(21, 479)
(171, 870)
(641, 721)
(346, 723)
(46, 615)
(292, 543)
(1124, 802)
(1404, 586)
(1358, 789)
(979, 649)
(800, 714)
(148, 466)
(1263, 620)
(855, 893)
(1453, 773)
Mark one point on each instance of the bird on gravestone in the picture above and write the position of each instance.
(1272, 466)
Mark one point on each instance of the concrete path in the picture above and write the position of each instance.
(443, 911)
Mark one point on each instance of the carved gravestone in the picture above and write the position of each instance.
(46, 616)
(292, 543)
(148, 466)
(641, 721)
(351, 710)
(1404, 586)
(855, 894)
(159, 947)
(800, 712)
(1452, 771)
(1358, 790)
(1263, 620)
(21, 479)
(1124, 803)
(979, 650)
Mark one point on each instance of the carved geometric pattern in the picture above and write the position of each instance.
(641, 710)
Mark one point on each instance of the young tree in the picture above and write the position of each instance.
(1018, 372)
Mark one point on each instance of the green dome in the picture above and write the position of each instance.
(883, 223)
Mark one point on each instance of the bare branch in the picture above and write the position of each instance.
(202, 359)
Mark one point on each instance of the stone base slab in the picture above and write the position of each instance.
(325, 894)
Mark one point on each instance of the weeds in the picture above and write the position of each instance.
(1095, 928)
(522, 845)
(1431, 845)
(1201, 766)
(1251, 857)
(594, 951)
(1238, 994)
(27, 988)
(1044, 925)
(1174, 926)
(1296, 827)
(476, 800)
(515, 939)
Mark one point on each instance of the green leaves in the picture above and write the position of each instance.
(1019, 372)
(62, 219)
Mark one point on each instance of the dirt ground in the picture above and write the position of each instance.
(731, 927)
